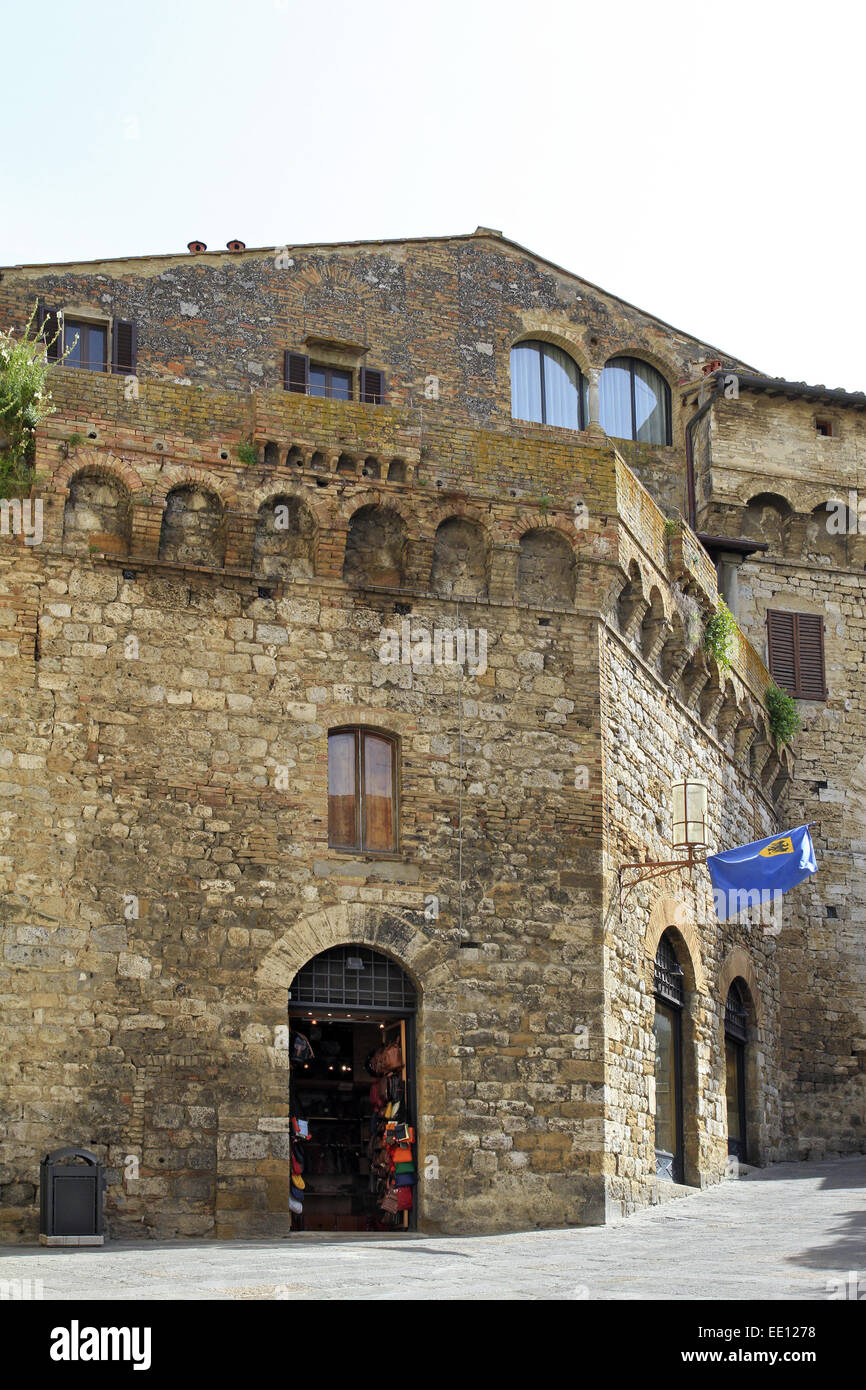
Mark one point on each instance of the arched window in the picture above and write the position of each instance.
(634, 401)
(668, 1033)
(547, 386)
(362, 790)
(736, 1020)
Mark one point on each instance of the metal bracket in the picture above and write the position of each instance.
(656, 869)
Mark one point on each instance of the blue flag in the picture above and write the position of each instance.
(751, 875)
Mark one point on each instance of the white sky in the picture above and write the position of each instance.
(703, 161)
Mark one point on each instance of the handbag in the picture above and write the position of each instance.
(404, 1180)
(404, 1199)
(391, 1201)
(385, 1059)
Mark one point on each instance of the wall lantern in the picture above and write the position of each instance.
(690, 800)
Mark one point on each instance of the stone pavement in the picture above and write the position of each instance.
(780, 1232)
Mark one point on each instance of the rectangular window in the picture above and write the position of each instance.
(796, 653)
(334, 382)
(85, 345)
(362, 791)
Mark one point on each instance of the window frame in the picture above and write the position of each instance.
(623, 358)
(329, 368)
(799, 692)
(77, 323)
(582, 384)
(361, 732)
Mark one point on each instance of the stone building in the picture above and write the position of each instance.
(359, 651)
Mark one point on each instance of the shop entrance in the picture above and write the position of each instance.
(352, 1093)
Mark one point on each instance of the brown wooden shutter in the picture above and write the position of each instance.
(796, 653)
(124, 347)
(810, 654)
(296, 372)
(782, 650)
(372, 386)
(49, 322)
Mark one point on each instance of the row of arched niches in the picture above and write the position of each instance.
(460, 561)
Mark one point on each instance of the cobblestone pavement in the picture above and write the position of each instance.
(780, 1232)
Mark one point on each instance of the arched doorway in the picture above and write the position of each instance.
(668, 1034)
(736, 1024)
(352, 1093)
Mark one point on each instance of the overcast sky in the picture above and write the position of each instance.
(704, 162)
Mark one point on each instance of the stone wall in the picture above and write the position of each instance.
(770, 477)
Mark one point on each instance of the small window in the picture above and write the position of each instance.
(334, 382)
(362, 791)
(85, 345)
(824, 428)
(634, 402)
(796, 653)
(547, 386)
(81, 343)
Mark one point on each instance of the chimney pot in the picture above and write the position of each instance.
(236, 245)
(196, 247)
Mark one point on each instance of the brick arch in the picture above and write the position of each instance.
(350, 506)
(388, 930)
(455, 511)
(665, 365)
(96, 461)
(319, 509)
(763, 487)
(537, 521)
(671, 912)
(181, 475)
(738, 965)
(558, 335)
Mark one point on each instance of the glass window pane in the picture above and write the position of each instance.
(317, 380)
(95, 344)
(561, 389)
(650, 404)
(732, 1088)
(614, 400)
(71, 332)
(342, 789)
(526, 382)
(378, 793)
(665, 1069)
(341, 386)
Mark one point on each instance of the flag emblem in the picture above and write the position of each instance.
(783, 846)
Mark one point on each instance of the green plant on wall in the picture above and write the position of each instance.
(720, 634)
(784, 714)
(247, 453)
(25, 401)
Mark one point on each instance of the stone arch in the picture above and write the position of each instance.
(667, 913)
(385, 930)
(632, 598)
(461, 558)
(663, 365)
(546, 568)
(376, 546)
(820, 541)
(193, 530)
(767, 516)
(738, 964)
(97, 512)
(285, 538)
(557, 335)
(652, 627)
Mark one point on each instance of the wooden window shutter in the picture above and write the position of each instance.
(372, 386)
(49, 323)
(796, 652)
(124, 347)
(810, 654)
(296, 372)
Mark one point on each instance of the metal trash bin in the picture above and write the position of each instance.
(70, 1198)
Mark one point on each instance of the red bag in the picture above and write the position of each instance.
(404, 1199)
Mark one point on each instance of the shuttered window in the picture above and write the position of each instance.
(308, 378)
(50, 326)
(372, 386)
(362, 791)
(124, 348)
(796, 651)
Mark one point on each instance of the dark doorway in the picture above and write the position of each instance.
(736, 1021)
(352, 1093)
(668, 1032)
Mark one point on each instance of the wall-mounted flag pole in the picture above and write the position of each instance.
(751, 875)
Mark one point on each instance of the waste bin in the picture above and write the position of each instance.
(71, 1183)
